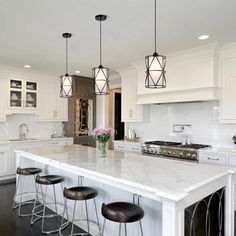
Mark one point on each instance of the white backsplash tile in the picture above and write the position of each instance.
(203, 116)
(10, 128)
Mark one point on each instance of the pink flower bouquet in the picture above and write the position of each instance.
(102, 135)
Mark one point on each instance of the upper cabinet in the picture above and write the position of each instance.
(52, 106)
(191, 76)
(131, 112)
(28, 92)
(22, 96)
(228, 84)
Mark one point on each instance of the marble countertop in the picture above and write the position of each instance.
(166, 178)
(11, 141)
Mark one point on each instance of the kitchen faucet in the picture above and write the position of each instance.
(23, 134)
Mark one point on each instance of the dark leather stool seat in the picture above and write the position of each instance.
(122, 212)
(28, 171)
(49, 179)
(80, 193)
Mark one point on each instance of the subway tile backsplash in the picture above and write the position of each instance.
(203, 117)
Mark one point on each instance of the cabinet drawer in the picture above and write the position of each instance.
(120, 147)
(135, 148)
(214, 158)
(232, 159)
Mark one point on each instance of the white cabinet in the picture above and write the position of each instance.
(213, 157)
(52, 106)
(22, 96)
(124, 146)
(3, 98)
(6, 160)
(130, 111)
(190, 74)
(228, 82)
(61, 104)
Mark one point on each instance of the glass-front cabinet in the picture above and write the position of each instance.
(23, 94)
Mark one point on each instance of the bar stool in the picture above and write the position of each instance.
(25, 172)
(80, 193)
(40, 210)
(122, 212)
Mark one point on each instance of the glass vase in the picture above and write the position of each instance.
(102, 149)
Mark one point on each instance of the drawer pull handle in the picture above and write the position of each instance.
(1, 153)
(213, 159)
(135, 148)
(121, 147)
(55, 143)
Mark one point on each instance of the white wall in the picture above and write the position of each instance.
(10, 128)
(203, 116)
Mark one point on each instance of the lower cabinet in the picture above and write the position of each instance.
(6, 160)
(7, 155)
(219, 158)
(127, 146)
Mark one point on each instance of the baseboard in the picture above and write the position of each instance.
(10, 179)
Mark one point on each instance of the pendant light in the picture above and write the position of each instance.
(155, 65)
(66, 80)
(100, 73)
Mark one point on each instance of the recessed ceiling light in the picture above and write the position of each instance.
(77, 71)
(204, 36)
(27, 66)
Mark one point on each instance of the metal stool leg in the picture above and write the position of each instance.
(55, 199)
(86, 207)
(44, 208)
(125, 230)
(103, 227)
(120, 229)
(141, 228)
(96, 212)
(73, 218)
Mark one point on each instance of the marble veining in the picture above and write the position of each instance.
(167, 178)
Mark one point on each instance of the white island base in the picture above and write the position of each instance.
(166, 187)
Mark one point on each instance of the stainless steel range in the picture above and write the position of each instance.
(172, 150)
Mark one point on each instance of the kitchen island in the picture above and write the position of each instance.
(170, 191)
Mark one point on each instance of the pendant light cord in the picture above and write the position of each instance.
(155, 25)
(100, 43)
(66, 55)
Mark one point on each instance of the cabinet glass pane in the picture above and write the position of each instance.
(16, 84)
(31, 99)
(15, 98)
(31, 85)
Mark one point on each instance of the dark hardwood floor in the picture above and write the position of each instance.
(11, 224)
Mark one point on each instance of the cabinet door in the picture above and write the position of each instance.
(3, 98)
(228, 105)
(31, 92)
(5, 162)
(130, 111)
(47, 111)
(61, 104)
(15, 93)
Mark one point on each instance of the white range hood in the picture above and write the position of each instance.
(192, 75)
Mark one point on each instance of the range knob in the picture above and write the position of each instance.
(181, 154)
(188, 155)
(194, 156)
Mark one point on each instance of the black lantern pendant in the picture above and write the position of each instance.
(155, 67)
(100, 73)
(66, 80)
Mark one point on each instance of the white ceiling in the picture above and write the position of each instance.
(31, 30)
